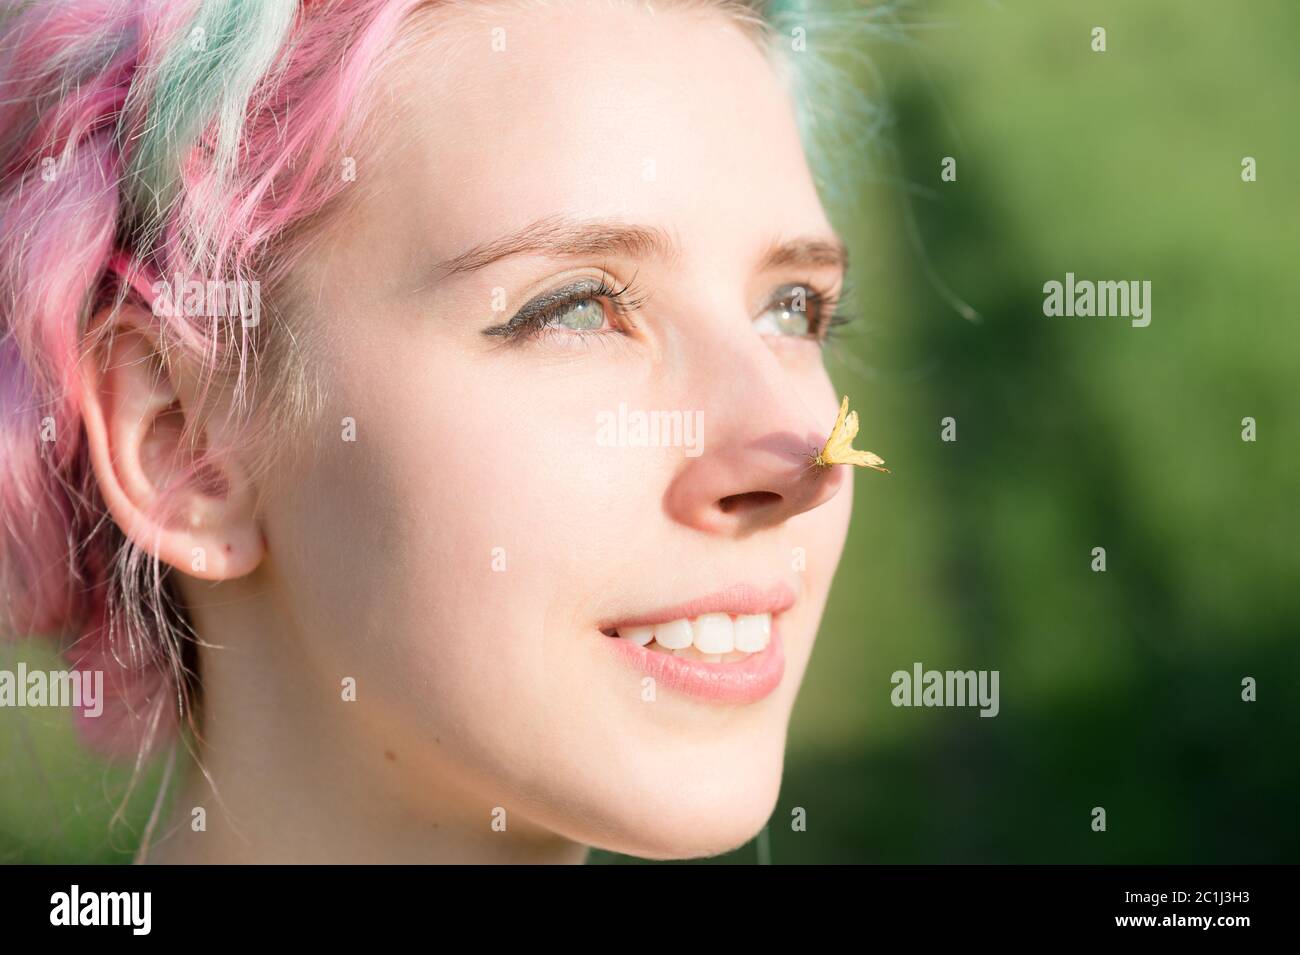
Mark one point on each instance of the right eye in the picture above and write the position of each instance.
(577, 309)
(584, 315)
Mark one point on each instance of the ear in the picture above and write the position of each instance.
(204, 524)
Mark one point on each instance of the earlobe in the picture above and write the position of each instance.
(195, 515)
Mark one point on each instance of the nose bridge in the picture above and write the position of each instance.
(744, 383)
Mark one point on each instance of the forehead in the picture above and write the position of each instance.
(510, 113)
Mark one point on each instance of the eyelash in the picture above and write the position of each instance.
(836, 306)
(530, 325)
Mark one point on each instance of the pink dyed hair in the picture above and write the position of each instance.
(146, 138)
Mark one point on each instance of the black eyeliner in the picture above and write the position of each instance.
(538, 307)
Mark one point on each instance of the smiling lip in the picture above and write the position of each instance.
(737, 600)
(745, 681)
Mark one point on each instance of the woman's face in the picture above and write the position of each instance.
(466, 557)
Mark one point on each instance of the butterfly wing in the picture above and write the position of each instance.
(839, 421)
(840, 443)
(866, 459)
(850, 428)
(826, 456)
(839, 446)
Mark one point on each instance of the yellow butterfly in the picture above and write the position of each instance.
(839, 446)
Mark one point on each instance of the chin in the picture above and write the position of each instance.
(697, 818)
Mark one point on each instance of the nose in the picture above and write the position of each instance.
(755, 471)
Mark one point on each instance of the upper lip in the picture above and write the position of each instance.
(738, 599)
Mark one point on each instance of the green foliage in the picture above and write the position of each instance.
(1119, 689)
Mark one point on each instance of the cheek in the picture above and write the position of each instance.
(495, 470)
(478, 516)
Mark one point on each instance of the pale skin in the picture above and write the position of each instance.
(480, 689)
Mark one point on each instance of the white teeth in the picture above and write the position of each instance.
(675, 635)
(753, 632)
(710, 637)
(714, 633)
(638, 635)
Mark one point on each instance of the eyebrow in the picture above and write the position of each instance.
(560, 237)
(832, 253)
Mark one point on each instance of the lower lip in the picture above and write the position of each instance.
(745, 681)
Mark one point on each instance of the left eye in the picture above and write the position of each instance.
(788, 312)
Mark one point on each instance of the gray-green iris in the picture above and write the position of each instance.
(582, 316)
(789, 313)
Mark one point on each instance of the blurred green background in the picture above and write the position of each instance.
(1119, 689)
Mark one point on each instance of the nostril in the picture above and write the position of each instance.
(734, 503)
